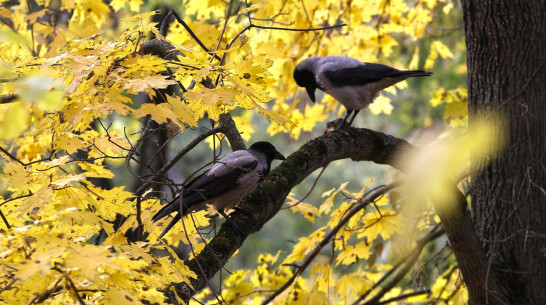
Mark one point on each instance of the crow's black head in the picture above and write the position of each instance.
(306, 78)
(268, 150)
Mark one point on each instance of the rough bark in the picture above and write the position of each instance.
(506, 43)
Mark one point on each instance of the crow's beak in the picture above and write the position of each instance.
(279, 156)
(311, 93)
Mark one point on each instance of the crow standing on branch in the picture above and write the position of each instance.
(351, 82)
(225, 184)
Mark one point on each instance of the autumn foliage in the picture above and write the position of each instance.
(72, 77)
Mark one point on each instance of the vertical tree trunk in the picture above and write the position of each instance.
(506, 43)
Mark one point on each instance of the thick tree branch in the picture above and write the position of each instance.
(266, 201)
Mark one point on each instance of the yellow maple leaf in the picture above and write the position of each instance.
(160, 113)
(146, 84)
(216, 96)
(68, 179)
(312, 297)
(353, 282)
(326, 206)
(324, 276)
(303, 247)
(14, 119)
(381, 104)
(308, 211)
(134, 5)
(251, 8)
(42, 265)
(352, 254)
(182, 111)
(276, 117)
(442, 49)
(385, 225)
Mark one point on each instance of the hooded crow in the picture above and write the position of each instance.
(351, 82)
(225, 184)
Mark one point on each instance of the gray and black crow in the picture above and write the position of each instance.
(225, 184)
(351, 82)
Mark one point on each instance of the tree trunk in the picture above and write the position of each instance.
(506, 43)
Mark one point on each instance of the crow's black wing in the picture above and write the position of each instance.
(209, 185)
(367, 73)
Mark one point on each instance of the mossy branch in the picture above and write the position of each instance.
(266, 201)
(354, 143)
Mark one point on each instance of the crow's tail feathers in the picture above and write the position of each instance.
(169, 226)
(412, 73)
(174, 206)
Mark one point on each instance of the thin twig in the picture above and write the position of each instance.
(192, 34)
(31, 30)
(23, 163)
(5, 219)
(163, 27)
(140, 226)
(7, 98)
(71, 285)
(223, 28)
(15, 198)
(308, 193)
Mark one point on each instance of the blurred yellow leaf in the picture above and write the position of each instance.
(352, 282)
(381, 104)
(14, 119)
